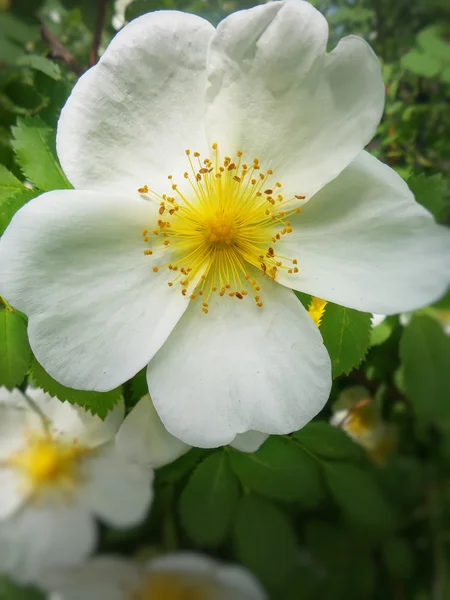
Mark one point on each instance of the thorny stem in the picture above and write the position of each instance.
(101, 9)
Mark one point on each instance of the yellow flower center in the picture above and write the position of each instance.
(46, 462)
(223, 231)
(169, 586)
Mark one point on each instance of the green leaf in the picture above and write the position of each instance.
(15, 353)
(9, 206)
(11, 591)
(180, 467)
(280, 469)
(9, 184)
(398, 557)
(208, 501)
(40, 63)
(264, 541)
(429, 191)
(425, 355)
(33, 145)
(346, 335)
(421, 63)
(98, 403)
(141, 7)
(431, 40)
(327, 441)
(359, 497)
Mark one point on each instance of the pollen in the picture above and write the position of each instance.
(222, 224)
(172, 586)
(48, 463)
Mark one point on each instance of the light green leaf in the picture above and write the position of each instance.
(359, 497)
(264, 541)
(421, 63)
(432, 42)
(346, 335)
(9, 184)
(10, 205)
(425, 355)
(15, 353)
(208, 501)
(329, 442)
(33, 145)
(380, 333)
(429, 192)
(98, 403)
(280, 469)
(40, 63)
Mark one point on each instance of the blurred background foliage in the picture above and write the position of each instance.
(358, 510)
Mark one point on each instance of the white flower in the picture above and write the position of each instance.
(143, 439)
(175, 576)
(253, 121)
(59, 469)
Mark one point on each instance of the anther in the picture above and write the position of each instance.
(155, 269)
(143, 189)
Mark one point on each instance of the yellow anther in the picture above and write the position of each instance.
(143, 189)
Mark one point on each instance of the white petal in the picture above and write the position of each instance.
(240, 368)
(12, 494)
(43, 537)
(13, 422)
(102, 578)
(242, 584)
(143, 439)
(249, 441)
(73, 261)
(130, 118)
(363, 242)
(276, 94)
(229, 582)
(117, 492)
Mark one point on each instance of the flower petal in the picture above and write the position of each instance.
(42, 537)
(132, 116)
(117, 492)
(249, 441)
(73, 262)
(363, 242)
(143, 439)
(12, 495)
(304, 113)
(240, 368)
(102, 578)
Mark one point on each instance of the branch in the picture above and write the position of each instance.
(101, 9)
(58, 50)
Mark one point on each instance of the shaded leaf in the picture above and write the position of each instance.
(328, 441)
(10, 205)
(208, 501)
(15, 353)
(429, 191)
(40, 63)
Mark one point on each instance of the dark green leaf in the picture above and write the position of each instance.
(358, 494)
(280, 469)
(264, 541)
(346, 335)
(33, 145)
(425, 355)
(329, 442)
(398, 557)
(182, 466)
(141, 7)
(15, 353)
(208, 501)
(98, 403)
(429, 191)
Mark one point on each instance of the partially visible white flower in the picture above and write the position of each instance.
(143, 437)
(118, 20)
(59, 469)
(175, 576)
(362, 422)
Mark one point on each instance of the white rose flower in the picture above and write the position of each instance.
(59, 469)
(143, 439)
(175, 576)
(214, 171)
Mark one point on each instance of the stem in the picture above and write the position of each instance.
(58, 50)
(101, 9)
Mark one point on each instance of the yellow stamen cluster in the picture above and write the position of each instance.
(223, 228)
(46, 462)
(169, 586)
